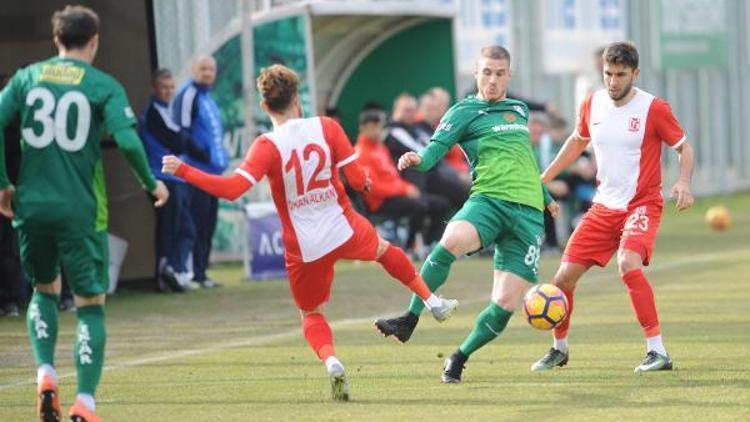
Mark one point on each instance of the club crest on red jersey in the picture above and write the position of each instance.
(635, 124)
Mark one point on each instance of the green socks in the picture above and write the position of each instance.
(41, 322)
(434, 272)
(91, 337)
(490, 323)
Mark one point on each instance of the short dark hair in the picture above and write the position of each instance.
(159, 74)
(332, 111)
(623, 52)
(372, 116)
(277, 85)
(74, 26)
(373, 105)
(496, 52)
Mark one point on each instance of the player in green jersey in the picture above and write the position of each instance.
(505, 206)
(59, 205)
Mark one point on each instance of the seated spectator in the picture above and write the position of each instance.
(392, 195)
(432, 106)
(406, 134)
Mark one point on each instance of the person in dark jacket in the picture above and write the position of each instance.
(175, 231)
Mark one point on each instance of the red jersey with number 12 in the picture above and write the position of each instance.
(301, 159)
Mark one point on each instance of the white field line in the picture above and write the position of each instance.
(271, 338)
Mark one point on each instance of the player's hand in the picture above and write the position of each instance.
(368, 184)
(553, 208)
(6, 201)
(410, 159)
(161, 193)
(681, 191)
(413, 192)
(170, 164)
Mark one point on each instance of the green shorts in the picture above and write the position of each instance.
(84, 260)
(517, 231)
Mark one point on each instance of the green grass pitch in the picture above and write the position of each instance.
(237, 354)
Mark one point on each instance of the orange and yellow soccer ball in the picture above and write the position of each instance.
(718, 218)
(546, 306)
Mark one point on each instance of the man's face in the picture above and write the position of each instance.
(536, 130)
(492, 76)
(405, 110)
(164, 89)
(205, 71)
(433, 108)
(619, 79)
(372, 130)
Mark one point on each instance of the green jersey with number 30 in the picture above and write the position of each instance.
(65, 107)
(495, 138)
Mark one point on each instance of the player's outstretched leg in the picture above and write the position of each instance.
(642, 299)
(41, 322)
(91, 339)
(320, 338)
(434, 272)
(566, 279)
(397, 264)
(558, 354)
(489, 324)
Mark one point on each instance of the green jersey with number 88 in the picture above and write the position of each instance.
(65, 107)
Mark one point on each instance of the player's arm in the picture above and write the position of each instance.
(670, 131)
(131, 147)
(120, 122)
(344, 155)
(681, 189)
(569, 153)
(225, 187)
(258, 161)
(574, 145)
(356, 176)
(451, 129)
(427, 158)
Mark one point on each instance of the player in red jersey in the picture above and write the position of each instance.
(626, 127)
(301, 158)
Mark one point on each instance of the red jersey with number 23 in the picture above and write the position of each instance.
(627, 144)
(301, 159)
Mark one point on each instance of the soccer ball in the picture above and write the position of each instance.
(718, 218)
(546, 306)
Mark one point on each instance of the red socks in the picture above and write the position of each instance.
(561, 331)
(395, 261)
(318, 335)
(642, 298)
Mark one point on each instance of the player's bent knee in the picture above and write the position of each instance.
(627, 262)
(460, 238)
(564, 281)
(316, 310)
(82, 301)
(52, 288)
(508, 302)
(382, 247)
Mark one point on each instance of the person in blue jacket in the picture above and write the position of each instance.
(196, 111)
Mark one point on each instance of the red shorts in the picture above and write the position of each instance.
(602, 231)
(310, 282)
